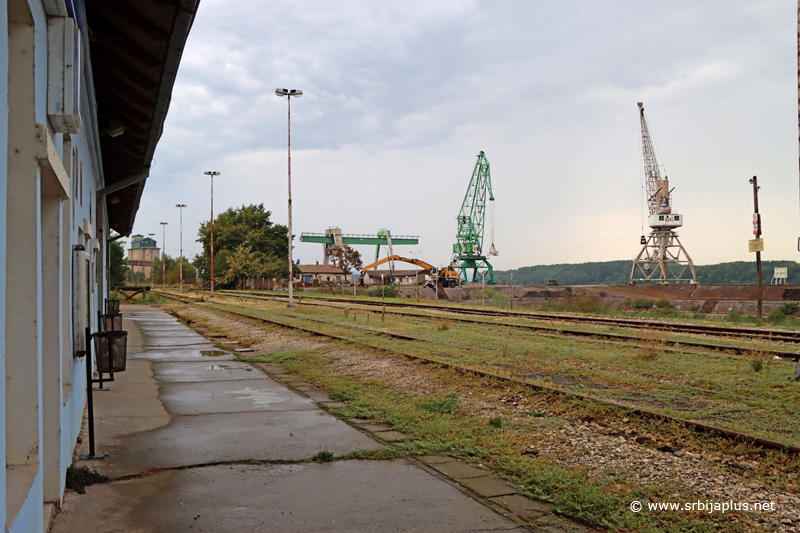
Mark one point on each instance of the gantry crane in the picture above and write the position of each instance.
(468, 249)
(663, 259)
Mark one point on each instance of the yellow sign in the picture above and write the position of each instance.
(756, 245)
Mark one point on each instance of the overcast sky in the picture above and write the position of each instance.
(399, 98)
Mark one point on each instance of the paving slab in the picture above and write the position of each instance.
(459, 470)
(209, 439)
(247, 395)
(489, 486)
(392, 436)
(205, 371)
(435, 459)
(344, 496)
(522, 506)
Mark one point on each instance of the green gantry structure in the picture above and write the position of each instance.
(333, 239)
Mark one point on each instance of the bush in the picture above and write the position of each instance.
(734, 316)
(663, 303)
(788, 308)
(575, 303)
(694, 308)
(642, 303)
(388, 290)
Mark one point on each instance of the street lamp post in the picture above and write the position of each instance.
(212, 174)
(180, 207)
(288, 94)
(151, 235)
(163, 255)
(416, 272)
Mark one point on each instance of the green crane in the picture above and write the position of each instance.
(468, 249)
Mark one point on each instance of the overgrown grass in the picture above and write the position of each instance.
(451, 428)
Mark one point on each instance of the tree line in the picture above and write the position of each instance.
(618, 273)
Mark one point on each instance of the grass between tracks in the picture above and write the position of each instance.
(713, 388)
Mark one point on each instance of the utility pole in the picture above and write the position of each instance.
(163, 256)
(512, 291)
(759, 245)
(289, 94)
(180, 208)
(151, 235)
(212, 174)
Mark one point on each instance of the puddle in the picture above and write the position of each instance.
(212, 353)
(217, 367)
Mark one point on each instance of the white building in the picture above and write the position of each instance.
(81, 126)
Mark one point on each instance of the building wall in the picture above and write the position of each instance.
(47, 206)
(3, 188)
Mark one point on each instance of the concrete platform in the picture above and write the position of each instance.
(344, 496)
(206, 444)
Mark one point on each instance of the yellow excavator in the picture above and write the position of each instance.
(446, 277)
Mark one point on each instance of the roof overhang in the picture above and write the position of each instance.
(135, 49)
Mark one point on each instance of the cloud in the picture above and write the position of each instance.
(400, 97)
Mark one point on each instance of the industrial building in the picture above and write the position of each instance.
(141, 254)
(88, 84)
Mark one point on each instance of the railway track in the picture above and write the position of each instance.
(668, 346)
(697, 329)
(698, 426)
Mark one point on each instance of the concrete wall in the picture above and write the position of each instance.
(47, 206)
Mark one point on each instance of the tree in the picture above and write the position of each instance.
(117, 264)
(245, 241)
(347, 259)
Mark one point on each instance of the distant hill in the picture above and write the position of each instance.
(618, 273)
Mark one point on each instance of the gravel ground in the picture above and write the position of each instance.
(598, 448)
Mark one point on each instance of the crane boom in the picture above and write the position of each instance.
(658, 200)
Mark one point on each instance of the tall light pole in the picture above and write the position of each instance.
(416, 267)
(180, 207)
(151, 235)
(212, 174)
(288, 94)
(163, 255)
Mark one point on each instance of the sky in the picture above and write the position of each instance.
(400, 97)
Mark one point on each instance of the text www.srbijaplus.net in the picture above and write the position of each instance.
(708, 506)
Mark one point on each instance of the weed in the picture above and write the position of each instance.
(785, 310)
(496, 422)
(757, 365)
(342, 396)
(80, 477)
(663, 303)
(388, 290)
(694, 308)
(444, 327)
(446, 405)
(734, 316)
(575, 303)
(601, 293)
(642, 303)
(323, 457)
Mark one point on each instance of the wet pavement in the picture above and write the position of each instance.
(196, 441)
